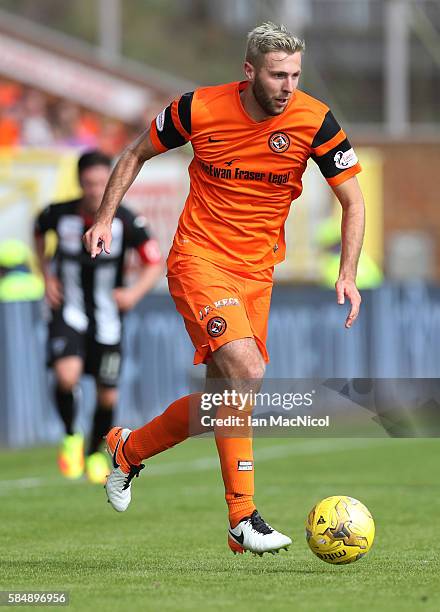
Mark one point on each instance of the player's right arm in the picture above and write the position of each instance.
(99, 236)
(170, 129)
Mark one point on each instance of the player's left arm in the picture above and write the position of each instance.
(127, 297)
(150, 262)
(338, 163)
(350, 196)
(147, 277)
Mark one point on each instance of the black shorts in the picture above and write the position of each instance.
(102, 361)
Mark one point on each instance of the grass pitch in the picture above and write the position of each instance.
(168, 552)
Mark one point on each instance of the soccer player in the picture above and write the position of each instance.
(251, 140)
(87, 298)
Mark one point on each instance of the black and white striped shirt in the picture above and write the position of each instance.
(88, 284)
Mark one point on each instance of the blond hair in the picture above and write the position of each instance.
(271, 37)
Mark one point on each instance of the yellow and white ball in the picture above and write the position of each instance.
(340, 529)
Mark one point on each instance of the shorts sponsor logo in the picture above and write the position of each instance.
(279, 142)
(227, 302)
(216, 326)
(345, 159)
(160, 120)
(245, 466)
(230, 301)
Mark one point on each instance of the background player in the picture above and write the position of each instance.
(251, 142)
(87, 299)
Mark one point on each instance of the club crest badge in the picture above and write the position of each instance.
(279, 142)
(216, 326)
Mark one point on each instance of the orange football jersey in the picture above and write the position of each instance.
(245, 174)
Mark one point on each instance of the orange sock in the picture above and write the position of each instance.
(166, 430)
(235, 453)
(237, 464)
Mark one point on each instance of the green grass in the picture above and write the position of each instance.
(168, 552)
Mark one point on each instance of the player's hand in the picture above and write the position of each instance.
(125, 298)
(348, 288)
(98, 238)
(54, 292)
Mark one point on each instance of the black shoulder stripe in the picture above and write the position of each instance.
(169, 136)
(327, 162)
(184, 110)
(329, 128)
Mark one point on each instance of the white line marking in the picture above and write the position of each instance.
(22, 483)
(297, 448)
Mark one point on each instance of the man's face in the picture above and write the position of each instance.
(93, 181)
(275, 80)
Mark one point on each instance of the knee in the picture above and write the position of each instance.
(67, 373)
(248, 366)
(67, 382)
(255, 371)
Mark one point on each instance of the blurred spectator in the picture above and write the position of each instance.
(9, 130)
(10, 93)
(29, 117)
(70, 130)
(113, 137)
(35, 127)
(9, 125)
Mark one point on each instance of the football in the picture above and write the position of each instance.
(340, 529)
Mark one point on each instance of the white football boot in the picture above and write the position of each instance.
(118, 485)
(254, 534)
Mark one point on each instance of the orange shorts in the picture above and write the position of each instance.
(218, 305)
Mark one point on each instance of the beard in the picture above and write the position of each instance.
(264, 100)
